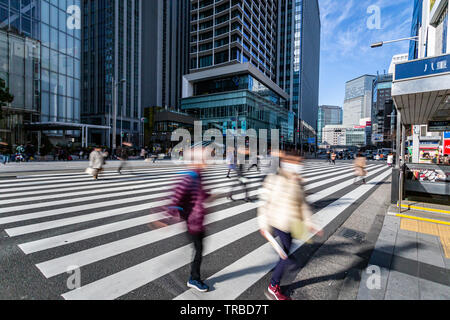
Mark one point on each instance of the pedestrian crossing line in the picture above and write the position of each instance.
(146, 187)
(86, 177)
(89, 183)
(93, 255)
(118, 284)
(19, 196)
(340, 177)
(42, 226)
(65, 177)
(235, 278)
(326, 169)
(57, 266)
(329, 191)
(141, 189)
(68, 238)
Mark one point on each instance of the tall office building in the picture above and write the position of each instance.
(111, 48)
(40, 63)
(245, 66)
(384, 113)
(165, 51)
(328, 115)
(231, 81)
(358, 100)
(299, 59)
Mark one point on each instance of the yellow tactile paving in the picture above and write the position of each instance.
(409, 225)
(438, 230)
(428, 228)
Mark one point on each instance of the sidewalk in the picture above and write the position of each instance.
(414, 259)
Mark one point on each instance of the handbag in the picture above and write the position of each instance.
(89, 171)
(299, 230)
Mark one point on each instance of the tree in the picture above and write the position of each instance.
(5, 97)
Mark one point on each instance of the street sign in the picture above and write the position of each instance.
(447, 146)
(439, 126)
(422, 67)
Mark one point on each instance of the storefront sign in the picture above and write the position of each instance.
(439, 126)
(447, 146)
(422, 67)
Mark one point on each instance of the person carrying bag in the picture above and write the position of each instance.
(284, 214)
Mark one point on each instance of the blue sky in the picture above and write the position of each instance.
(346, 39)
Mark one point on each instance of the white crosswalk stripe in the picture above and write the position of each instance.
(63, 220)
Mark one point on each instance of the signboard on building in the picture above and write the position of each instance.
(422, 67)
(439, 126)
(311, 140)
(376, 137)
(447, 146)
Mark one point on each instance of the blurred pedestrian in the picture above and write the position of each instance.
(188, 204)
(360, 168)
(96, 161)
(333, 158)
(231, 161)
(390, 159)
(123, 155)
(143, 154)
(284, 214)
(240, 168)
(329, 157)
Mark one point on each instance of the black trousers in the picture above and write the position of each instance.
(197, 240)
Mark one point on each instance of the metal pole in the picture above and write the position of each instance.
(399, 147)
(114, 134)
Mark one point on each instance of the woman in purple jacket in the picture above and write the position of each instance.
(188, 201)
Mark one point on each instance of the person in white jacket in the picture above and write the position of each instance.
(96, 161)
(284, 209)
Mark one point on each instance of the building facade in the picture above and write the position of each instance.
(112, 46)
(346, 136)
(328, 115)
(358, 100)
(384, 113)
(256, 50)
(165, 51)
(41, 64)
(299, 62)
(232, 78)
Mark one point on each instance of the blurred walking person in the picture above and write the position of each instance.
(240, 168)
(96, 162)
(231, 161)
(284, 214)
(188, 204)
(123, 156)
(333, 158)
(360, 168)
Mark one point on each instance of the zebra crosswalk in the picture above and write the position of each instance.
(107, 229)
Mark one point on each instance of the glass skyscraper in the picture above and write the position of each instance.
(111, 48)
(47, 89)
(328, 115)
(299, 60)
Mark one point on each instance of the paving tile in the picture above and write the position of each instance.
(402, 284)
(407, 233)
(433, 291)
(391, 222)
(434, 239)
(397, 296)
(446, 245)
(406, 246)
(405, 265)
(429, 253)
(434, 273)
(385, 246)
(380, 258)
(388, 234)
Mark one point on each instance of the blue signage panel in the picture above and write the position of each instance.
(312, 140)
(423, 67)
(446, 135)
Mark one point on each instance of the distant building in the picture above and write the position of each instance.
(350, 136)
(384, 113)
(358, 100)
(328, 115)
